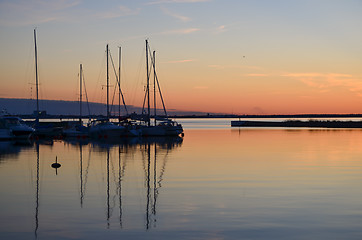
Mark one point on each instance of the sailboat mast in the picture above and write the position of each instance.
(36, 78)
(80, 93)
(154, 84)
(119, 83)
(148, 87)
(107, 84)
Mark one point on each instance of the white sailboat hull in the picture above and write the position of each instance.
(107, 130)
(73, 133)
(162, 130)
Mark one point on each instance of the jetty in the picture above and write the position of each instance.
(299, 124)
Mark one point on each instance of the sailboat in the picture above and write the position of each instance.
(78, 130)
(103, 128)
(42, 130)
(133, 129)
(162, 126)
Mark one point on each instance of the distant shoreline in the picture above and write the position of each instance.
(70, 109)
(206, 116)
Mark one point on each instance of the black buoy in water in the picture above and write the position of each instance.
(56, 165)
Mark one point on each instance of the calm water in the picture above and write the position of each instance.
(215, 183)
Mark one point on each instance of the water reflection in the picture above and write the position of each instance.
(108, 205)
(153, 181)
(115, 155)
(121, 171)
(9, 150)
(81, 175)
(92, 162)
(227, 184)
(37, 191)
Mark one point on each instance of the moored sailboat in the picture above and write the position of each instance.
(103, 128)
(78, 130)
(162, 126)
(41, 130)
(133, 129)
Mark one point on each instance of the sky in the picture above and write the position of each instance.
(216, 56)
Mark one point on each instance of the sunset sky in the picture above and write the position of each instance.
(217, 56)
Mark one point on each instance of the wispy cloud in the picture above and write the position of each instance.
(325, 81)
(23, 12)
(176, 1)
(175, 15)
(169, 32)
(120, 11)
(181, 31)
(220, 29)
(321, 80)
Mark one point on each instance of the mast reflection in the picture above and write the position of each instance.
(81, 175)
(82, 183)
(152, 179)
(121, 171)
(79, 143)
(37, 192)
(108, 205)
(113, 156)
(148, 150)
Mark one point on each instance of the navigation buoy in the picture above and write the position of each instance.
(56, 165)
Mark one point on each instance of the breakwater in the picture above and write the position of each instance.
(298, 124)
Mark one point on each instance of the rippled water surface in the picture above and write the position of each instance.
(215, 183)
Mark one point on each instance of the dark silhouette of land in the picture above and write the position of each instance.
(58, 108)
(69, 110)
